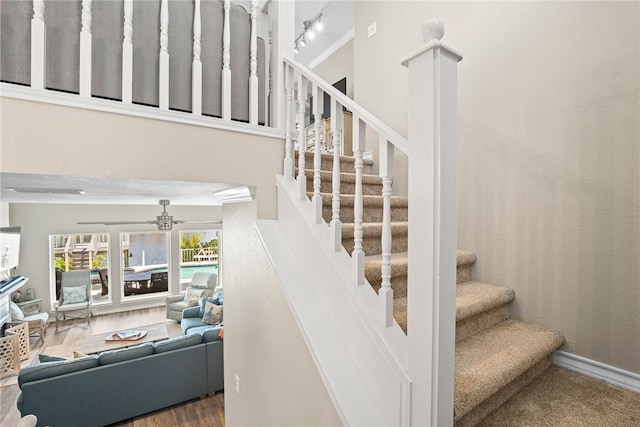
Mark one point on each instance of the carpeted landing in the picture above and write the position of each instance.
(561, 398)
(496, 356)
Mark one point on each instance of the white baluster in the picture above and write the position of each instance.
(196, 69)
(253, 66)
(226, 63)
(386, 172)
(316, 200)
(288, 145)
(302, 140)
(337, 127)
(38, 46)
(359, 143)
(127, 53)
(164, 55)
(432, 221)
(85, 50)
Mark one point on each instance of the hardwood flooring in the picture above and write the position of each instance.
(207, 411)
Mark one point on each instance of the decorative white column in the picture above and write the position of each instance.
(318, 108)
(359, 144)
(253, 66)
(85, 50)
(226, 62)
(196, 69)
(127, 53)
(387, 159)
(288, 128)
(432, 221)
(337, 128)
(38, 46)
(302, 140)
(164, 55)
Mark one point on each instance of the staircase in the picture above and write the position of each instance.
(495, 356)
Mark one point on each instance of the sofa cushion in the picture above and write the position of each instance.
(212, 314)
(210, 334)
(52, 369)
(179, 342)
(120, 355)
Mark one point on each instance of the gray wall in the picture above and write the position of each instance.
(279, 382)
(548, 154)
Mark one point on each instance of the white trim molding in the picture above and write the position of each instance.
(346, 38)
(8, 90)
(591, 368)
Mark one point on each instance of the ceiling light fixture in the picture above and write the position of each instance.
(310, 28)
(45, 190)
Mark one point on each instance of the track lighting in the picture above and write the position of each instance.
(309, 31)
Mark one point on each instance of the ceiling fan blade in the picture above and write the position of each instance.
(114, 222)
(195, 221)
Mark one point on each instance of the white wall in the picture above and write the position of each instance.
(39, 221)
(337, 66)
(279, 382)
(548, 182)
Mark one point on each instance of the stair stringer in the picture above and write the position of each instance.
(361, 362)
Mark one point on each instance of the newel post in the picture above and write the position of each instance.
(432, 221)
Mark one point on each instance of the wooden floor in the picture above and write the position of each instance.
(208, 411)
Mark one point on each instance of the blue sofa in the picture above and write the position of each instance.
(121, 384)
(192, 317)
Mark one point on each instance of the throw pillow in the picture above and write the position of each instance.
(192, 296)
(14, 310)
(212, 314)
(74, 294)
(203, 301)
(48, 358)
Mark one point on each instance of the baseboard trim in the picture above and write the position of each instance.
(591, 368)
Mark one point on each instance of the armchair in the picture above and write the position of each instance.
(202, 285)
(37, 322)
(75, 296)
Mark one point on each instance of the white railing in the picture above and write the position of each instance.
(240, 99)
(299, 76)
(428, 353)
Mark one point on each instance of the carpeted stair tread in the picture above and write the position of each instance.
(490, 360)
(372, 208)
(376, 202)
(372, 235)
(349, 177)
(465, 257)
(347, 163)
(473, 298)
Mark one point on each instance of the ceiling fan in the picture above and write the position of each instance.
(164, 221)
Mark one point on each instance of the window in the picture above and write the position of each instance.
(198, 252)
(86, 251)
(145, 261)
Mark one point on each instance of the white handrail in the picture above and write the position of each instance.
(374, 122)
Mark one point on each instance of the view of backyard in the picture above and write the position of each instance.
(145, 260)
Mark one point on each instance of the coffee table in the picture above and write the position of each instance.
(97, 343)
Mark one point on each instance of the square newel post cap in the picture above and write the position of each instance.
(432, 32)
